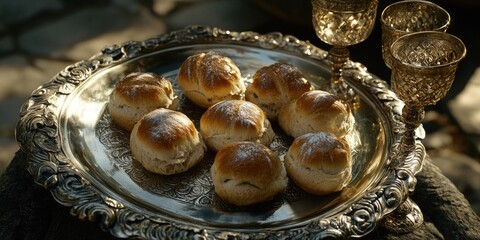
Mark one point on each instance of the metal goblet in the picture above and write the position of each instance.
(423, 69)
(424, 66)
(342, 23)
(410, 16)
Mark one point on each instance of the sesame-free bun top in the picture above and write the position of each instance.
(137, 94)
(245, 173)
(235, 121)
(316, 111)
(320, 163)
(275, 85)
(166, 142)
(208, 78)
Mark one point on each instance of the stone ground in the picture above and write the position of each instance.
(40, 38)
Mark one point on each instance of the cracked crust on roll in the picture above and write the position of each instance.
(319, 163)
(235, 121)
(275, 85)
(246, 173)
(316, 111)
(166, 142)
(137, 94)
(208, 78)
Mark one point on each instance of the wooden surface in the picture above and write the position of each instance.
(28, 211)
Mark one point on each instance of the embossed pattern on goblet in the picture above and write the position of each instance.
(424, 66)
(342, 23)
(410, 16)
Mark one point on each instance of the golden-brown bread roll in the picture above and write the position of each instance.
(137, 94)
(275, 85)
(245, 173)
(316, 111)
(166, 142)
(319, 163)
(208, 78)
(235, 121)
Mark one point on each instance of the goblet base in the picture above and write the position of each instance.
(406, 218)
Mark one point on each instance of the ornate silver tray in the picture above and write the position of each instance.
(78, 154)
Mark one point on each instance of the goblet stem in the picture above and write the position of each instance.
(338, 56)
(412, 117)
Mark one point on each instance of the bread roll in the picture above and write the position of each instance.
(208, 78)
(316, 111)
(275, 85)
(166, 142)
(319, 163)
(137, 94)
(245, 173)
(235, 121)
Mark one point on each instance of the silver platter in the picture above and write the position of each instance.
(78, 154)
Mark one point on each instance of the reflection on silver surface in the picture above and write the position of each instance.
(77, 153)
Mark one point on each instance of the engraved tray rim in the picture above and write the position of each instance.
(37, 133)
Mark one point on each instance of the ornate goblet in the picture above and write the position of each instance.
(342, 23)
(424, 66)
(423, 69)
(410, 16)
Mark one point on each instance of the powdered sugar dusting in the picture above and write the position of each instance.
(317, 142)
